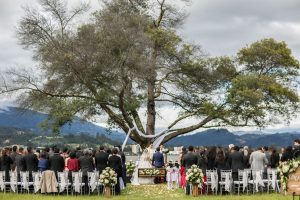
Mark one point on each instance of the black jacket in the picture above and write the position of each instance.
(189, 159)
(56, 163)
(115, 163)
(86, 164)
(101, 160)
(30, 162)
(236, 161)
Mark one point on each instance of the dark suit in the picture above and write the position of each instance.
(101, 159)
(6, 163)
(19, 164)
(296, 152)
(158, 159)
(30, 163)
(236, 161)
(86, 165)
(115, 163)
(56, 163)
(189, 159)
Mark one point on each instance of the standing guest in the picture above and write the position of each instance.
(202, 160)
(296, 151)
(13, 157)
(182, 170)
(221, 163)
(6, 163)
(211, 158)
(72, 165)
(43, 164)
(258, 160)
(86, 164)
(189, 159)
(115, 163)
(123, 158)
(158, 162)
(101, 159)
(19, 162)
(287, 154)
(30, 162)
(56, 162)
(79, 152)
(236, 161)
(274, 159)
(267, 153)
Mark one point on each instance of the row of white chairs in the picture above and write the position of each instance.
(248, 180)
(63, 183)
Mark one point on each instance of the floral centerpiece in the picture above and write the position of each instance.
(284, 169)
(194, 176)
(108, 177)
(130, 167)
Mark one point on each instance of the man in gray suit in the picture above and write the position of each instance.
(258, 160)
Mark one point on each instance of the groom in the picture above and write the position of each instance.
(157, 162)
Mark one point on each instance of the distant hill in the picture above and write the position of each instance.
(30, 120)
(222, 137)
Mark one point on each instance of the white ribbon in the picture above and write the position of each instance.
(213, 181)
(25, 183)
(63, 182)
(273, 179)
(2, 186)
(37, 182)
(227, 182)
(258, 180)
(76, 183)
(127, 137)
(93, 181)
(13, 181)
(245, 180)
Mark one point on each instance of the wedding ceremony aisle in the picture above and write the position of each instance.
(146, 192)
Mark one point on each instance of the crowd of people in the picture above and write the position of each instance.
(206, 158)
(57, 160)
(235, 158)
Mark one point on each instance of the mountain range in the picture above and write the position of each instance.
(29, 120)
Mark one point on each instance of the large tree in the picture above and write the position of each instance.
(129, 57)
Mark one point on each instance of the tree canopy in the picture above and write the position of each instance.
(129, 56)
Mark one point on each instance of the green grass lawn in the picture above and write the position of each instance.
(145, 193)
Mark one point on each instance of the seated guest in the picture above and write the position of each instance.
(43, 164)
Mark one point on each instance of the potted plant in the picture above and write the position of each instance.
(194, 176)
(108, 177)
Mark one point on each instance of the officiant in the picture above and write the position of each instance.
(158, 162)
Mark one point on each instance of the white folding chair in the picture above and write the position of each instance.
(226, 181)
(36, 176)
(272, 181)
(257, 182)
(243, 181)
(3, 183)
(77, 182)
(211, 181)
(92, 181)
(63, 182)
(25, 184)
(13, 181)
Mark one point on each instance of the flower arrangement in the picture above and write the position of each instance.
(194, 175)
(130, 167)
(108, 177)
(285, 168)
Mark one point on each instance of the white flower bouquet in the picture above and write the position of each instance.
(194, 175)
(108, 177)
(285, 168)
(130, 167)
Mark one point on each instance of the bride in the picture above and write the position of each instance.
(144, 162)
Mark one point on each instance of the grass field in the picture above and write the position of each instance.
(145, 193)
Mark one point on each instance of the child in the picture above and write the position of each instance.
(176, 175)
(169, 177)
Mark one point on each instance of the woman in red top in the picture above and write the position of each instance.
(72, 165)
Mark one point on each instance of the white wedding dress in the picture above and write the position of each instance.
(144, 162)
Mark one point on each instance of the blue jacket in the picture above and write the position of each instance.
(158, 159)
(43, 164)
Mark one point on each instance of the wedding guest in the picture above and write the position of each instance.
(258, 160)
(101, 159)
(72, 165)
(13, 157)
(114, 162)
(86, 164)
(202, 161)
(19, 161)
(274, 159)
(43, 164)
(287, 154)
(6, 162)
(123, 158)
(182, 170)
(30, 162)
(236, 161)
(189, 159)
(211, 157)
(56, 162)
(296, 151)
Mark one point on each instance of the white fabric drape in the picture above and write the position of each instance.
(37, 182)
(273, 183)
(77, 183)
(258, 180)
(214, 181)
(227, 182)
(2, 186)
(63, 182)
(93, 182)
(245, 180)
